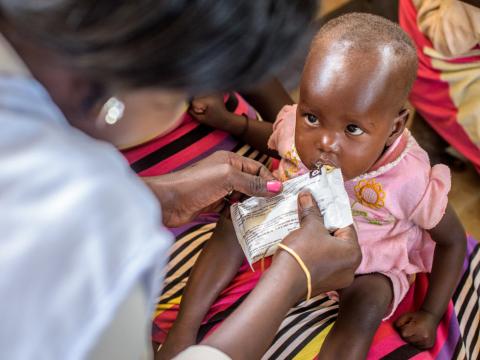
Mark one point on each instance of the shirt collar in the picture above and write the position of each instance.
(10, 61)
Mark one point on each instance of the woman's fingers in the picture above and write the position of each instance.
(248, 166)
(203, 185)
(308, 211)
(331, 262)
(252, 185)
(346, 233)
(250, 177)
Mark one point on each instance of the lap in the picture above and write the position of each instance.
(305, 327)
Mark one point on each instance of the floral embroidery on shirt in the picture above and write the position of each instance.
(370, 193)
(372, 218)
(293, 161)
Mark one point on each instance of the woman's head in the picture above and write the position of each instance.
(189, 45)
(355, 82)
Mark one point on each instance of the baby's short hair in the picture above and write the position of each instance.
(365, 32)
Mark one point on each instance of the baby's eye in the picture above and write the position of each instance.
(312, 119)
(354, 130)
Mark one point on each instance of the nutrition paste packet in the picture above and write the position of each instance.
(261, 223)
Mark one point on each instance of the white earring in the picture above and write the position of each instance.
(113, 110)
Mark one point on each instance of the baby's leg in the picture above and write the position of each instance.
(214, 269)
(363, 305)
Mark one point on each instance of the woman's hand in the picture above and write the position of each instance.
(331, 259)
(202, 187)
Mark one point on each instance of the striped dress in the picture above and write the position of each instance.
(307, 324)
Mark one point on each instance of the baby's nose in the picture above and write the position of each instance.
(327, 142)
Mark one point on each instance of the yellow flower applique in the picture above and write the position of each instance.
(370, 193)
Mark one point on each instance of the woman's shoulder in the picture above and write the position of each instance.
(73, 210)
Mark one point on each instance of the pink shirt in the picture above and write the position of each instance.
(393, 204)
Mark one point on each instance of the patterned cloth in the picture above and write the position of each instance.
(447, 36)
(307, 324)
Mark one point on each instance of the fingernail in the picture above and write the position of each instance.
(305, 200)
(274, 186)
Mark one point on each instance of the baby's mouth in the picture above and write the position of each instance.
(327, 162)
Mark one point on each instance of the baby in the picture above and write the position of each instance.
(350, 115)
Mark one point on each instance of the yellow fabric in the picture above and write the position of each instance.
(464, 86)
(310, 351)
(164, 307)
(452, 26)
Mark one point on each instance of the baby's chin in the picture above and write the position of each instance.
(347, 175)
(328, 167)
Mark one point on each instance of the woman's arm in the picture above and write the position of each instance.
(248, 332)
(331, 260)
(215, 268)
(420, 328)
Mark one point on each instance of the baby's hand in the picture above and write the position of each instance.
(418, 328)
(210, 110)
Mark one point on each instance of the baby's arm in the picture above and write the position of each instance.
(268, 99)
(214, 269)
(419, 328)
(211, 111)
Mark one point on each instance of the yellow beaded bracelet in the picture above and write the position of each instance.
(302, 265)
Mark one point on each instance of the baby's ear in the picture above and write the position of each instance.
(398, 126)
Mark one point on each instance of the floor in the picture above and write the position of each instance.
(465, 193)
(465, 198)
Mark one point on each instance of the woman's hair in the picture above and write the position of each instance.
(192, 45)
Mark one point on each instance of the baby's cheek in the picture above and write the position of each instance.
(306, 151)
(353, 166)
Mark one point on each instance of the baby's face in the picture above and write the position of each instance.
(346, 116)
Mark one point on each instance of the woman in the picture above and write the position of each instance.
(82, 243)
